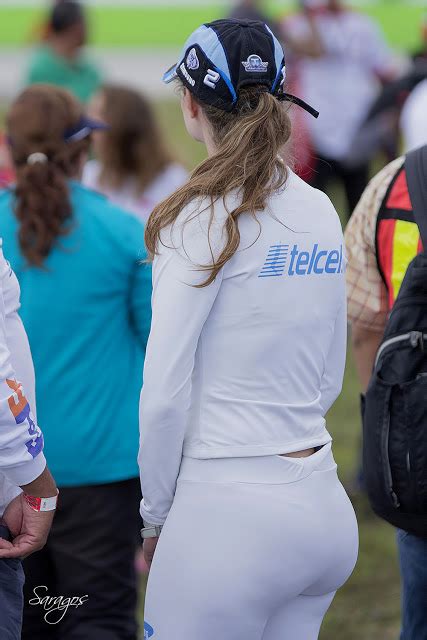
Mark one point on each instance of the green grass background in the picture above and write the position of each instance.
(164, 26)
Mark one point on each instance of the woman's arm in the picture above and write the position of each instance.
(333, 376)
(305, 40)
(366, 343)
(179, 313)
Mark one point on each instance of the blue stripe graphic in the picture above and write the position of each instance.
(269, 275)
(276, 261)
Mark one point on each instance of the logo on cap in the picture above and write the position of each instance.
(192, 60)
(255, 64)
(283, 76)
(186, 75)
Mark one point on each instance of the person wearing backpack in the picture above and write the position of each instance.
(387, 293)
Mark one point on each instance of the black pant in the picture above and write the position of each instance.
(353, 180)
(11, 599)
(90, 552)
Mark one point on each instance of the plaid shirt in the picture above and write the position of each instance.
(366, 291)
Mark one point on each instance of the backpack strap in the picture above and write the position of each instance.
(416, 176)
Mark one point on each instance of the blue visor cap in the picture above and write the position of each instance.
(83, 129)
(221, 57)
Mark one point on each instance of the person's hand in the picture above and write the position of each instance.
(29, 529)
(14, 517)
(149, 549)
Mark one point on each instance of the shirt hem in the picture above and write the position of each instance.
(150, 519)
(97, 480)
(25, 473)
(246, 451)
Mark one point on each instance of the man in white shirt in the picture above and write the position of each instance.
(28, 493)
(341, 80)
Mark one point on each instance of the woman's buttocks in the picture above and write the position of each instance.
(294, 508)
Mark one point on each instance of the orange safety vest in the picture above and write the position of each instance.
(397, 238)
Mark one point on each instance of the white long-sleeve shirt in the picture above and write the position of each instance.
(249, 365)
(21, 441)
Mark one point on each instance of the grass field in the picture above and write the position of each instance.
(368, 607)
(164, 26)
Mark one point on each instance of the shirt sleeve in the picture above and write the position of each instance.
(366, 291)
(21, 440)
(179, 312)
(333, 376)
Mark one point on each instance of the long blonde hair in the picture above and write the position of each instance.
(248, 143)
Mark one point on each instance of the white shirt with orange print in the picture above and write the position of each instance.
(21, 441)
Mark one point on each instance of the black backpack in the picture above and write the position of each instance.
(395, 405)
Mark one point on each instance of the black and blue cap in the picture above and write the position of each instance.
(223, 56)
(84, 127)
(81, 130)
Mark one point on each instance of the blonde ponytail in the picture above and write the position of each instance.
(247, 159)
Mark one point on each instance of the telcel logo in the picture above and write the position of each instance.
(148, 631)
(282, 259)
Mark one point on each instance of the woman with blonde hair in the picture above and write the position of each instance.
(245, 358)
(133, 166)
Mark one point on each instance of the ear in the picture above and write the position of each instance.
(193, 108)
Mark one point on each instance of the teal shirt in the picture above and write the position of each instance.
(87, 315)
(80, 77)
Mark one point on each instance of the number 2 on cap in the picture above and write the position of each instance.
(211, 79)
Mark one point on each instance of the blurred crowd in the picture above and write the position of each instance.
(370, 98)
(372, 107)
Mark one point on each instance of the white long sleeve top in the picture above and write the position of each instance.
(21, 441)
(249, 365)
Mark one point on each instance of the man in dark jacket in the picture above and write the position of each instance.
(382, 234)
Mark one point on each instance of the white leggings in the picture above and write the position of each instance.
(253, 549)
